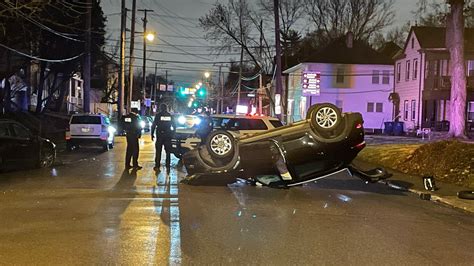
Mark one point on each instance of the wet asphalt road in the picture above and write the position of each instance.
(89, 211)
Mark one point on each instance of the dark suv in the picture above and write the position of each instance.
(324, 143)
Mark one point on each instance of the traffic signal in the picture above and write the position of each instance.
(181, 93)
(201, 92)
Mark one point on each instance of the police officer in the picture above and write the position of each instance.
(133, 131)
(164, 127)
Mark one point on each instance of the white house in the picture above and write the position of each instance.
(422, 81)
(349, 74)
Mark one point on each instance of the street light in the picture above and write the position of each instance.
(207, 75)
(150, 36)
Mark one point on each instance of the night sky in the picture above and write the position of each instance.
(176, 23)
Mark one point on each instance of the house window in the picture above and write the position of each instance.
(370, 107)
(379, 107)
(470, 111)
(399, 70)
(407, 70)
(415, 68)
(386, 77)
(470, 68)
(340, 75)
(375, 76)
(412, 43)
(374, 107)
(405, 110)
(413, 110)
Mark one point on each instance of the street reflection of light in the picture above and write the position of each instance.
(294, 211)
(239, 213)
(54, 172)
(175, 236)
(344, 198)
(325, 205)
(254, 216)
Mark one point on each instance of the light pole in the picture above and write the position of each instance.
(207, 75)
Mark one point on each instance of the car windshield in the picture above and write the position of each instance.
(85, 120)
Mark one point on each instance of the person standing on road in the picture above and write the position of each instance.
(133, 132)
(163, 126)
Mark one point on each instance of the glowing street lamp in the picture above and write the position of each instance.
(207, 74)
(150, 36)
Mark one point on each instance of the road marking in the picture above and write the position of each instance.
(175, 226)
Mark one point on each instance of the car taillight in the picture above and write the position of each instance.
(68, 134)
(359, 125)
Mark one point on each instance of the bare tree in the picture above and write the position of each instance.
(455, 45)
(434, 13)
(364, 18)
(235, 24)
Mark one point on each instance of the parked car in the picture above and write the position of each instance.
(324, 143)
(19, 147)
(186, 139)
(90, 129)
(147, 122)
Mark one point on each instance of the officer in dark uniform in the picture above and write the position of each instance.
(133, 131)
(163, 126)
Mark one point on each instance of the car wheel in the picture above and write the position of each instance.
(466, 195)
(47, 159)
(220, 144)
(325, 117)
(105, 146)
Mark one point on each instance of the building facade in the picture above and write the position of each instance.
(348, 74)
(422, 80)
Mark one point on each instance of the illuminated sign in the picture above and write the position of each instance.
(311, 83)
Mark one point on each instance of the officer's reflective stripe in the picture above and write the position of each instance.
(165, 118)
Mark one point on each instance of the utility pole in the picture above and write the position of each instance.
(87, 61)
(166, 75)
(132, 59)
(260, 78)
(221, 98)
(121, 88)
(153, 90)
(145, 21)
(278, 88)
(241, 59)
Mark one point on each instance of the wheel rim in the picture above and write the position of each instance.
(326, 117)
(47, 160)
(221, 144)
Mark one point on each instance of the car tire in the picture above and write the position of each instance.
(220, 144)
(466, 194)
(47, 159)
(325, 117)
(105, 146)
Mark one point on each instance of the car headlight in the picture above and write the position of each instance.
(197, 121)
(182, 120)
(142, 124)
(111, 130)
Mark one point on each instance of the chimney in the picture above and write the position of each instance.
(349, 39)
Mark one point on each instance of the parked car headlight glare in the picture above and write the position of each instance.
(142, 124)
(182, 120)
(112, 130)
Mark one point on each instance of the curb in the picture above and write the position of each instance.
(453, 202)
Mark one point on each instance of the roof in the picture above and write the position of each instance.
(390, 49)
(435, 37)
(337, 52)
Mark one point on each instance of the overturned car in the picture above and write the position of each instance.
(323, 144)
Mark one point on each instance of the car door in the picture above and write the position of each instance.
(25, 147)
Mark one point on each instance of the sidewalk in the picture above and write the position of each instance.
(446, 193)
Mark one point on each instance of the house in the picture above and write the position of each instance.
(422, 81)
(347, 73)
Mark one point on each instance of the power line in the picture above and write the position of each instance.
(39, 58)
(39, 24)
